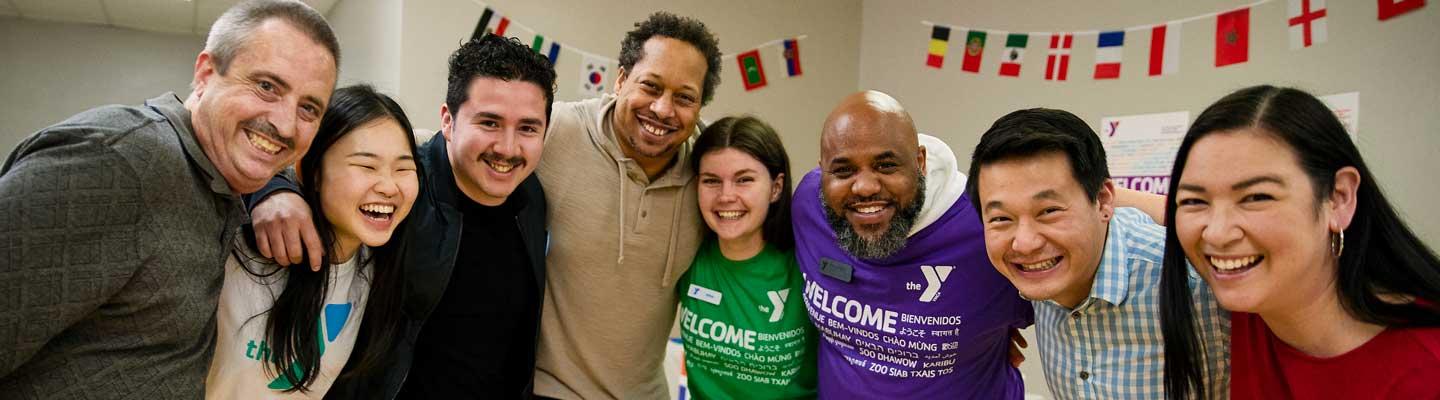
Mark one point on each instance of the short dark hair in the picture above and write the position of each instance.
(491, 56)
(1034, 131)
(231, 32)
(685, 29)
(752, 136)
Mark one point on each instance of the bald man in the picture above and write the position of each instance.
(896, 276)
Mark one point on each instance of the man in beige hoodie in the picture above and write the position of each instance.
(624, 222)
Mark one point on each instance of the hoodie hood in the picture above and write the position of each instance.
(944, 183)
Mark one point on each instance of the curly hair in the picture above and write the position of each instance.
(685, 29)
(507, 59)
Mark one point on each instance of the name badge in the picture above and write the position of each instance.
(704, 294)
(835, 269)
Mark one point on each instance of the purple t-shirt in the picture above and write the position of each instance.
(930, 322)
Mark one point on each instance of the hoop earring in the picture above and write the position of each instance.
(1337, 244)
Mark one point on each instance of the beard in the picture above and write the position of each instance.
(891, 241)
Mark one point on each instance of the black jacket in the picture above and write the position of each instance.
(433, 232)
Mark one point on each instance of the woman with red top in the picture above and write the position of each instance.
(1273, 205)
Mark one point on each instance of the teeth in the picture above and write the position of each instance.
(1232, 263)
(264, 144)
(730, 214)
(500, 167)
(653, 130)
(378, 208)
(1043, 265)
(869, 209)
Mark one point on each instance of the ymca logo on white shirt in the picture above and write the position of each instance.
(934, 277)
(777, 303)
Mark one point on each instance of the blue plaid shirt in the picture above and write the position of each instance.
(1110, 346)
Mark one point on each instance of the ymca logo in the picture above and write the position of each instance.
(934, 277)
(777, 303)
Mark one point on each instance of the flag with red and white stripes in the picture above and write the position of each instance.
(1057, 63)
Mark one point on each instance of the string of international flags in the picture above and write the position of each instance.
(595, 70)
(1306, 20)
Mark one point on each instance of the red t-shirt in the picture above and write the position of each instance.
(1396, 364)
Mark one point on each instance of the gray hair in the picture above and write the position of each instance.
(232, 30)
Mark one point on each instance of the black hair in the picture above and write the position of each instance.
(492, 56)
(685, 29)
(1382, 256)
(752, 136)
(294, 321)
(1034, 131)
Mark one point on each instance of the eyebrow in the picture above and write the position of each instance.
(486, 115)
(1047, 194)
(658, 77)
(1242, 185)
(286, 85)
(367, 154)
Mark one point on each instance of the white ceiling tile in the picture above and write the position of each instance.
(152, 15)
(82, 11)
(6, 8)
(209, 11)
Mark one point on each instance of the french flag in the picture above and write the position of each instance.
(1165, 49)
(1107, 54)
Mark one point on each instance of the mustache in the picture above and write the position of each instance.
(496, 157)
(852, 200)
(266, 128)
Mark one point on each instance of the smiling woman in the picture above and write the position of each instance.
(1334, 297)
(361, 176)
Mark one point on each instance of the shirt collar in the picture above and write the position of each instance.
(170, 106)
(1112, 276)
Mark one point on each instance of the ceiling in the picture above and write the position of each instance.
(170, 16)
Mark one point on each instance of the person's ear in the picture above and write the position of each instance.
(204, 73)
(777, 187)
(1105, 199)
(447, 121)
(1343, 198)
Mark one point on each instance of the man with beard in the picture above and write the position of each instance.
(896, 276)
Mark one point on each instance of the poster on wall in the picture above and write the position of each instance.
(1141, 148)
(1346, 107)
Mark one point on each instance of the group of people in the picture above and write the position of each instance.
(305, 241)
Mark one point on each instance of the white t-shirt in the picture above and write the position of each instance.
(238, 370)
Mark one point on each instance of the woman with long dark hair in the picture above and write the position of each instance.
(1332, 295)
(743, 320)
(288, 332)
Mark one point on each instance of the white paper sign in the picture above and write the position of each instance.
(1346, 107)
(1141, 148)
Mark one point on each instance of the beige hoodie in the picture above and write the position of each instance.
(618, 243)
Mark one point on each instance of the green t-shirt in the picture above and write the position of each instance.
(744, 326)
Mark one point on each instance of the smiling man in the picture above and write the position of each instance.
(1093, 270)
(624, 218)
(894, 264)
(116, 220)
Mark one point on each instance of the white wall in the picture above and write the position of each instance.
(369, 34)
(795, 107)
(50, 71)
(1392, 64)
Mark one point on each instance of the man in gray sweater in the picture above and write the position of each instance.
(115, 220)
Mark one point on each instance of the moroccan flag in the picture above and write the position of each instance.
(1391, 8)
(974, 48)
(1057, 64)
(1232, 37)
(792, 57)
(1307, 23)
(547, 47)
(1165, 49)
(939, 42)
(1108, 50)
(1014, 52)
(490, 22)
(750, 70)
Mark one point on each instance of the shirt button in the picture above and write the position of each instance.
(642, 214)
(1084, 375)
(1075, 315)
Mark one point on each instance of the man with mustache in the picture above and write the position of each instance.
(896, 277)
(116, 221)
(475, 257)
